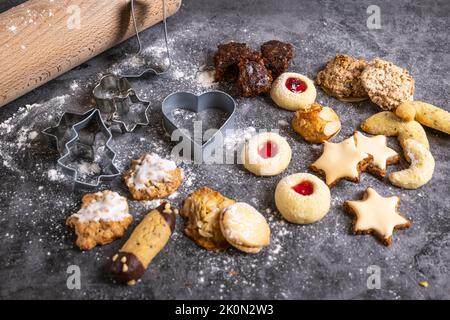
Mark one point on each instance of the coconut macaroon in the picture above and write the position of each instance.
(152, 177)
(341, 78)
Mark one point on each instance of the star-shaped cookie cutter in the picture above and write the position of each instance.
(117, 100)
(83, 138)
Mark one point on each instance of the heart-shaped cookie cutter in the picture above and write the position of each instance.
(117, 100)
(79, 137)
(198, 103)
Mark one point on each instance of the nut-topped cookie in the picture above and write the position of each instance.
(341, 78)
(387, 84)
(152, 177)
(103, 217)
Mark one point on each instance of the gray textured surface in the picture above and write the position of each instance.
(318, 261)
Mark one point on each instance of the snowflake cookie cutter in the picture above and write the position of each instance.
(198, 103)
(83, 140)
(117, 100)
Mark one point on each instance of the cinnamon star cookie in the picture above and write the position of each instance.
(377, 215)
(376, 147)
(341, 160)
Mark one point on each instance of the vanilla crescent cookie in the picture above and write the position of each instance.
(421, 169)
(388, 124)
(244, 227)
(341, 160)
(293, 91)
(341, 78)
(152, 177)
(302, 198)
(266, 154)
(386, 84)
(103, 217)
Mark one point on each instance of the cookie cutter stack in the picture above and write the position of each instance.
(82, 138)
(200, 149)
(119, 103)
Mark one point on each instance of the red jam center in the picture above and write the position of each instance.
(305, 188)
(268, 150)
(296, 85)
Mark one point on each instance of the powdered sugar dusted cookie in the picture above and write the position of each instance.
(386, 84)
(244, 227)
(378, 215)
(103, 217)
(341, 78)
(376, 147)
(152, 177)
(341, 160)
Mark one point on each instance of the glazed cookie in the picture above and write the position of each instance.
(293, 91)
(426, 114)
(388, 124)
(151, 177)
(202, 210)
(386, 84)
(377, 215)
(341, 160)
(146, 241)
(244, 227)
(103, 217)
(421, 169)
(341, 78)
(376, 147)
(278, 55)
(266, 154)
(302, 198)
(316, 124)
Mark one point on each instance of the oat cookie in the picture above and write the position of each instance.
(144, 243)
(341, 160)
(386, 84)
(202, 210)
(103, 217)
(377, 215)
(152, 177)
(244, 227)
(341, 78)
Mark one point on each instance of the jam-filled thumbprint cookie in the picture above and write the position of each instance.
(302, 198)
(266, 154)
(293, 91)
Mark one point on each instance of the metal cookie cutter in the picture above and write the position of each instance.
(135, 72)
(117, 100)
(83, 144)
(191, 102)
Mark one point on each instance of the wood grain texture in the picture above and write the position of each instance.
(39, 42)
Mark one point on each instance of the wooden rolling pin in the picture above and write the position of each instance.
(40, 40)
